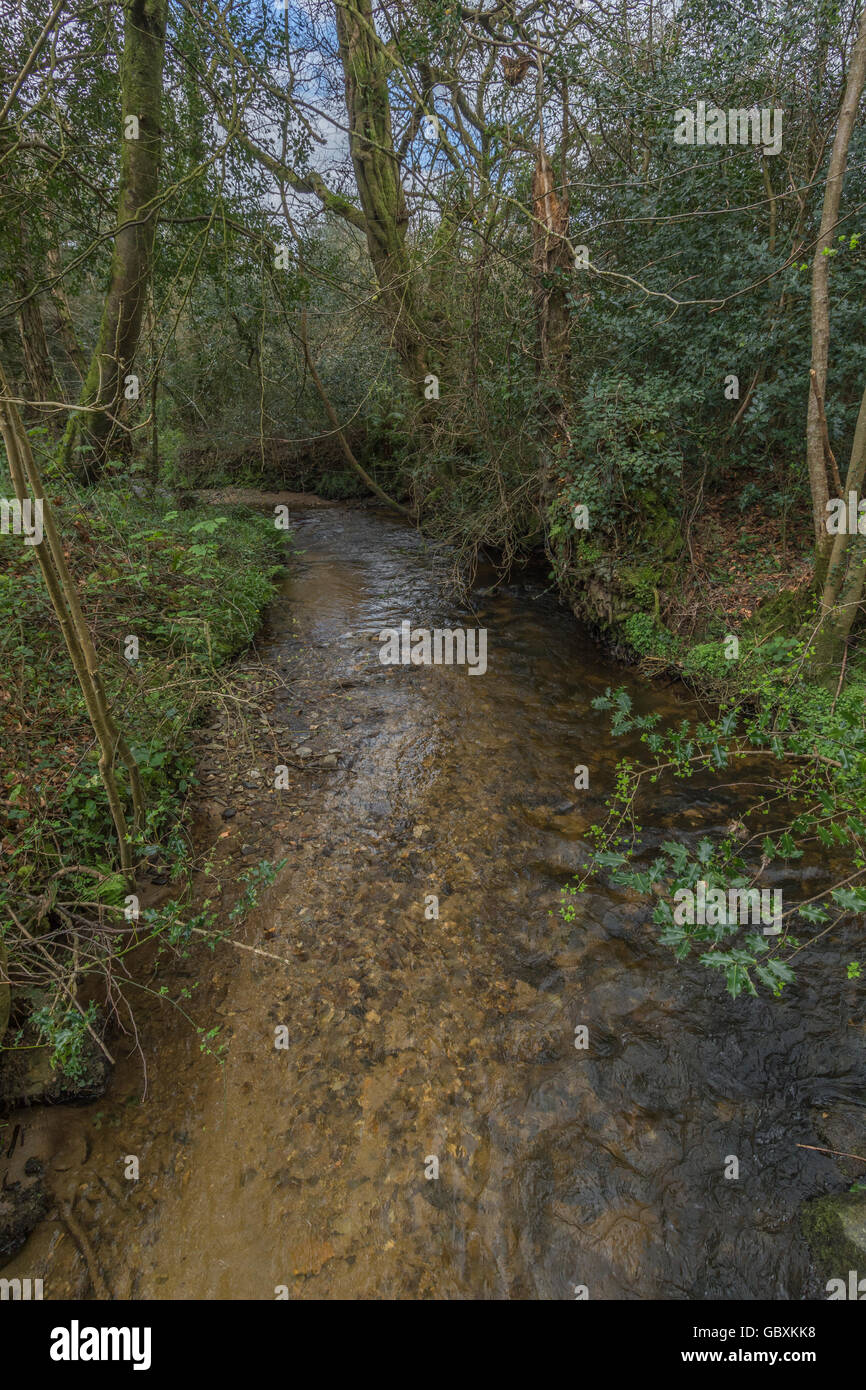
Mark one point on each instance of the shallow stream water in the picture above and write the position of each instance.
(412, 1038)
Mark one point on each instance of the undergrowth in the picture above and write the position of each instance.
(190, 585)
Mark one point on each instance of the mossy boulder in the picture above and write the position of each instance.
(642, 583)
(835, 1228)
(604, 591)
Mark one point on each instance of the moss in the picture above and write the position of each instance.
(835, 1228)
(612, 596)
(784, 612)
(661, 532)
(643, 583)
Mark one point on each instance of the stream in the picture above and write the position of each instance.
(416, 1042)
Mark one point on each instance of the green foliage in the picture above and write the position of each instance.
(191, 585)
(255, 880)
(814, 798)
(649, 637)
(629, 456)
(707, 660)
(343, 485)
(66, 1033)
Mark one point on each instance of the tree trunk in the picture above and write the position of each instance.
(62, 591)
(846, 567)
(821, 296)
(552, 267)
(120, 327)
(38, 367)
(377, 173)
(62, 311)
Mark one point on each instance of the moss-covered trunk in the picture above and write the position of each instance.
(842, 592)
(126, 297)
(36, 356)
(38, 366)
(366, 65)
(820, 300)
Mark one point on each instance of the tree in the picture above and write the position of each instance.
(27, 485)
(816, 436)
(102, 395)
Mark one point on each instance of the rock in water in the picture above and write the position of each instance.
(835, 1228)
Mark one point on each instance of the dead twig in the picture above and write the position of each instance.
(816, 1148)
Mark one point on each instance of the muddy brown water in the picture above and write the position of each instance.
(411, 1039)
